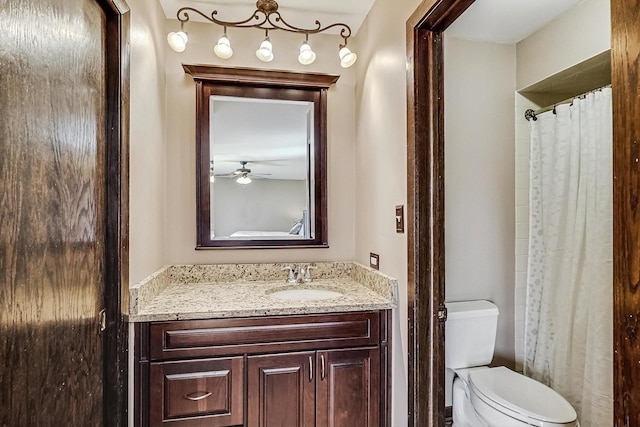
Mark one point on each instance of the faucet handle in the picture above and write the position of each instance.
(307, 274)
(292, 275)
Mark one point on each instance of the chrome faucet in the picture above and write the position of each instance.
(291, 278)
(307, 274)
(300, 276)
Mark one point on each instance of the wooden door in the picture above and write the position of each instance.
(348, 387)
(53, 222)
(281, 390)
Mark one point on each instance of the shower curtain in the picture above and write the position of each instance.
(569, 324)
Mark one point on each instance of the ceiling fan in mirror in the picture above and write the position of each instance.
(242, 175)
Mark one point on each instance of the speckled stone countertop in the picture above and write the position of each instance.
(183, 292)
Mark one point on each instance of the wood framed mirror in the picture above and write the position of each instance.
(261, 153)
(425, 166)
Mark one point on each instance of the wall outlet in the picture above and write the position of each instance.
(374, 260)
(400, 219)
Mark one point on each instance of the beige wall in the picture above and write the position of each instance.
(263, 205)
(381, 158)
(147, 140)
(581, 33)
(479, 179)
(147, 149)
(180, 233)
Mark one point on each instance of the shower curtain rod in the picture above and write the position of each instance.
(531, 114)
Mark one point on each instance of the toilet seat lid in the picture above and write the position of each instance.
(516, 394)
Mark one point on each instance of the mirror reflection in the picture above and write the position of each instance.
(261, 164)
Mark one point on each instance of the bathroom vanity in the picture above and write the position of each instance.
(235, 345)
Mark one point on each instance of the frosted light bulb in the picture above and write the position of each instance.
(178, 41)
(223, 48)
(347, 58)
(265, 51)
(307, 55)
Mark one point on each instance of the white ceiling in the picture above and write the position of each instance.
(499, 21)
(270, 135)
(507, 21)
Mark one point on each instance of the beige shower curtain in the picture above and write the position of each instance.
(569, 324)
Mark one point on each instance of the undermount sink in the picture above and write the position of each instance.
(305, 293)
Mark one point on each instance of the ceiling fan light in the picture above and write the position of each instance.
(223, 48)
(347, 58)
(307, 55)
(244, 180)
(178, 40)
(265, 51)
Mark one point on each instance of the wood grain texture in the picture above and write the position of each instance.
(258, 77)
(625, 57)
(347, 388)
(52, 212)
(425, 206)
(215, 386)
(205, 338)
(116, 295)
(281, 390)
(283, 368)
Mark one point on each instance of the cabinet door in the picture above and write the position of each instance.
(348, 388)
(196, 393)
(281, 390)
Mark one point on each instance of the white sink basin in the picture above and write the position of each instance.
(295, 293)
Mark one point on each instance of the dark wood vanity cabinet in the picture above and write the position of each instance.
(347, 388)
(281, 390)
(327, 388)
(303, 370)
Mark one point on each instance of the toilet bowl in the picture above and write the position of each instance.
(493, 397)
(500, 397)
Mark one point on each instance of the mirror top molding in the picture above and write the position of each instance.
(260, 77)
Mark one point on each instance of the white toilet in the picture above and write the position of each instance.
(492, 397)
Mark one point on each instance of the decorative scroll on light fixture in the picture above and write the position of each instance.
(266, 17)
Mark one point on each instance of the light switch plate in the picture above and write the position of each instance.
(374, 261)
(400, 219)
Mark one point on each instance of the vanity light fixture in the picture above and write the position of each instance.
(265, 17)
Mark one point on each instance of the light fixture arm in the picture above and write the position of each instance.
(267, 17)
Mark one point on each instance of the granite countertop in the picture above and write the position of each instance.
(235, 290)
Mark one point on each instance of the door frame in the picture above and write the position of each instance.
(116, 280)
(425, 193)
(425, 205)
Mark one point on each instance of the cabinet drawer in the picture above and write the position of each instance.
(203, 338)
(197, 393)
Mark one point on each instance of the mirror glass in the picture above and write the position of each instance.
(261, 168)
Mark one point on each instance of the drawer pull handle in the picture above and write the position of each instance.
(310, 369)
(322, 366)
(197, 395)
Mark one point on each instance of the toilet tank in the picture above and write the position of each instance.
(470, 333)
